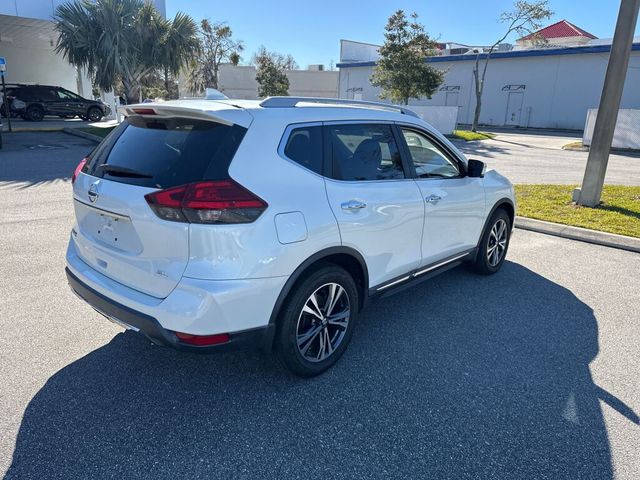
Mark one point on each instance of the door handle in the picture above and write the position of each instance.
(433, 199)
(353, 205)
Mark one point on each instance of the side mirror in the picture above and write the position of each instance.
(475, 169)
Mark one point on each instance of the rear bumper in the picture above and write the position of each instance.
(194, 306)
(254, 338)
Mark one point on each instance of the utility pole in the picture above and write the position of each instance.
(589, 194)
(5, 101)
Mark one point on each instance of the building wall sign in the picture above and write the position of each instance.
(513, 88)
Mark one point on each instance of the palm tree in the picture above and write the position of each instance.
(123, 40)
(181, 46)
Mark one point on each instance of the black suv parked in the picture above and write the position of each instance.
(33, 102)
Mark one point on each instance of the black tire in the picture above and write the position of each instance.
(35, 113)
(485, 262)
(94, 114)
(293, 322)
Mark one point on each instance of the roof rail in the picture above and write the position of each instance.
(283, 102)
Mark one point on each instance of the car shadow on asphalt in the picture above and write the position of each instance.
(31, 159)
(459, 377)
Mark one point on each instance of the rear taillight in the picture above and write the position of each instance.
(220, 202)
(78, 169)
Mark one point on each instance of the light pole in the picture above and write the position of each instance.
(589, 194)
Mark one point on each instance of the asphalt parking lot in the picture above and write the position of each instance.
(531, 373)
(538, 157)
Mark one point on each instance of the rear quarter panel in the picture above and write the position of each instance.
(254, 250)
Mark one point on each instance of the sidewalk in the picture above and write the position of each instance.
(51, 124)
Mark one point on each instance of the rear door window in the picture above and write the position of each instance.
(163, 153)
(46, 94)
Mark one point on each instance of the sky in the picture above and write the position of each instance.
(311, 31)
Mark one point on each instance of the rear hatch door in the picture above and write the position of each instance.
(117, 233)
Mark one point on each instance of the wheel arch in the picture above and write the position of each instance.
(507, 205)
(504, 203)
(35, 106)
(92, 106)
(348, 258)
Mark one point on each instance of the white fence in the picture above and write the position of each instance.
(442, 119)
(626, 134)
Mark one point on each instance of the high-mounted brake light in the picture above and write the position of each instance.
(78, 169)
(144, 111)
(217, 202)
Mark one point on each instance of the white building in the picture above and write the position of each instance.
(240, 82)
(45, 9)
(28, 46)
(27, 41)
(550, 87)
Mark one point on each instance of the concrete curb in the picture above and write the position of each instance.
(79, 133)
(632, 152)
(581, 234)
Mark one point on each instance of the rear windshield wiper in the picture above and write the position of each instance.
(118, 171)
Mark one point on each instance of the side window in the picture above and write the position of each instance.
(66, 95)
(304, 146)
(364, 152)
(43, 94)
(26, 93)
(427, 158)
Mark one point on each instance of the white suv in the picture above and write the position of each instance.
(209, 225)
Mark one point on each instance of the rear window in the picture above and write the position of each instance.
(165, 153)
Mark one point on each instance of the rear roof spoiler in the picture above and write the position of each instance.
(284, 102)
(170, 111)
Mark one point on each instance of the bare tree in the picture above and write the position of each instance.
(216, 46)
(284, 62)
(523, 19)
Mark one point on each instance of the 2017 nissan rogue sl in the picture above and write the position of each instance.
(209, 225)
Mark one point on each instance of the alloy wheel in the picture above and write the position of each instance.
(497, 244)
(36, 114)
(323, 322)
(95, 115)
